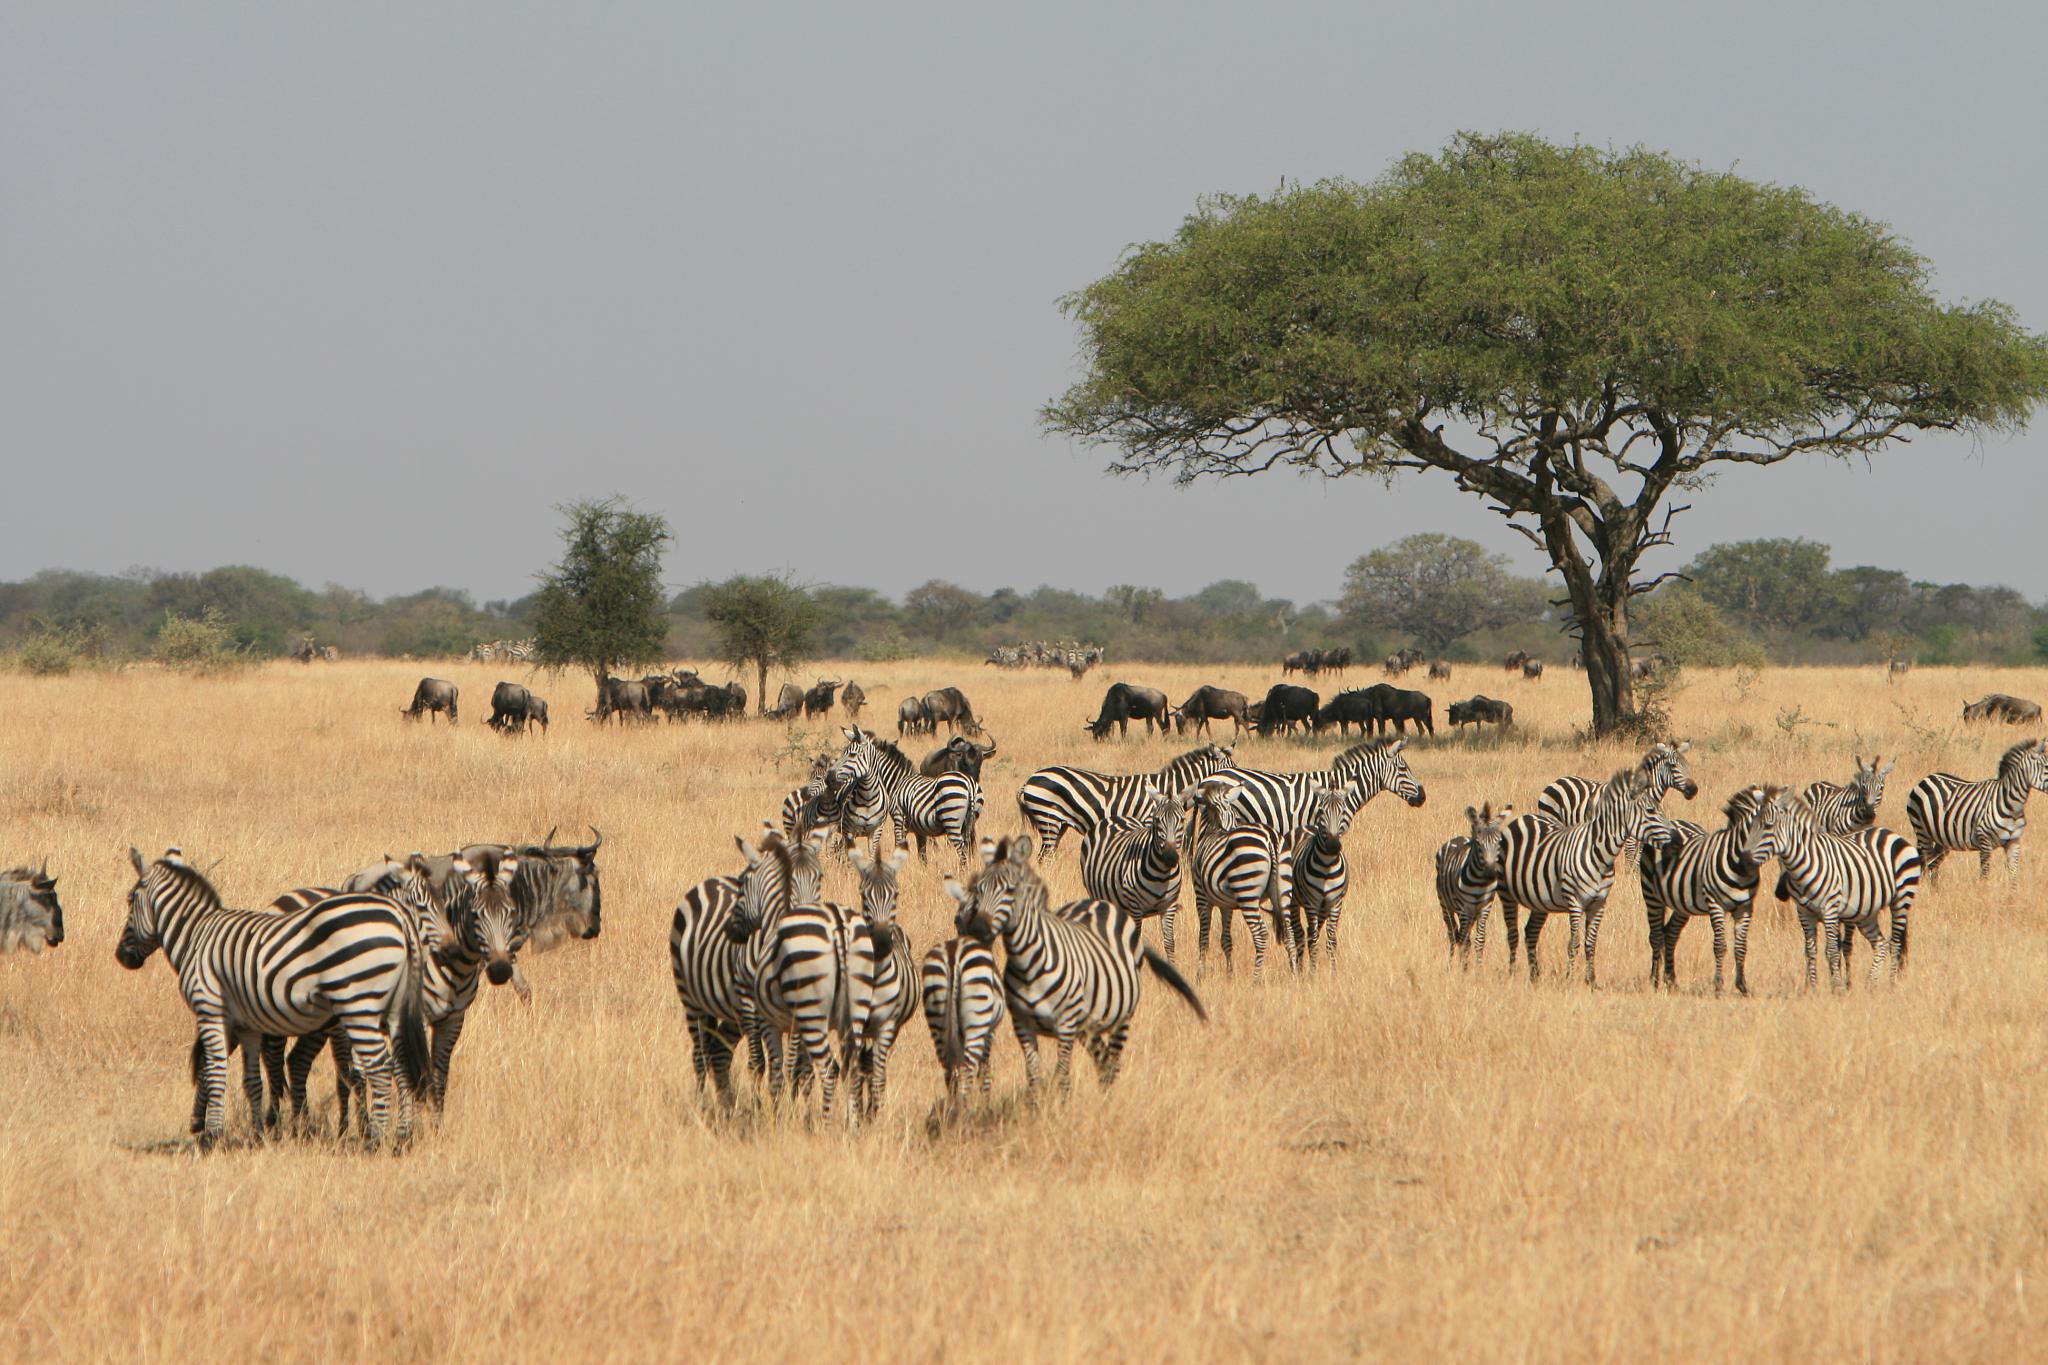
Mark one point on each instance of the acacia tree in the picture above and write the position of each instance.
(1436, 590)
(767, 622)
(1571, 333)
(603, 607)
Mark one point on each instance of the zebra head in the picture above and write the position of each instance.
(2027, 760)
(1334, 808)
(878, 892)
(1793, 820)
(1753, 825)
(1376, 766)
(1489, 838)
(1868, 784)
(989, 902)
(1667, 766)
(778, 875)
(30, 915)
(488, 923)
(161, 888)
(855, 761)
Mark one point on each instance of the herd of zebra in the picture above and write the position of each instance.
(1076, 658)
(502, 652)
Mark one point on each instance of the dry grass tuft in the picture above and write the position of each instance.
(1388, 1159)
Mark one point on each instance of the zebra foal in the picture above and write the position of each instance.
(1468, 878)
(1843, 882)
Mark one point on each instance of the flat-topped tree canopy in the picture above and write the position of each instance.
(1570, 331)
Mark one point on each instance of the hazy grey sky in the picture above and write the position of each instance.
(355, 293)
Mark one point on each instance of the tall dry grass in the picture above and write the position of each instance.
(1388, 1159)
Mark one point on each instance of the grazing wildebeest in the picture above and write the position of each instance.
(949, 704)
(433, 695)
(735, 701)
(789, 703)
(514, 708)
(1532, 669)
(911, 718)
(1515, 660)
(1285, 707)
(1638, 669)
(1999, 706)
(818, 701)
(1345, 710)
(1398, 706)
(1481, 711)
(622, 697)
(1337, 660)
(1205, 704)
(1308, 661)
(1439, 668)
(1255, 712)
(1123, 704)
(957, 755)
(852, 698)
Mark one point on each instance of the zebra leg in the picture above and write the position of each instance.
(1578, 929)
(1594, 913)
(1508, 911)
(1809, 926)
(1166, 918)
(213, 1080)
(1202, 922)
(1984, 852)
(1108, 1051)
(253, 1045)
(273, 1066)
(1255, 925)
(1900, 911)
(1474, 934)
(198, 1069)
(1930, 860)
(1661, 929)
(877, 1066)
(1717, 915)
(299, 1069)
(1224, 915)
(1831, 923)
(1530, 933)
(1027, 1042)
(446, 1034)
(921, 851)
(1063, 1064)
(372, 1055)
(1878, 948)
(1330, 918)
(1742, 914)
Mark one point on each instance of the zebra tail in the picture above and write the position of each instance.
(1166, 972)
(406, 1022)
(956, 1023)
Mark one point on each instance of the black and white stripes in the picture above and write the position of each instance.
(1953, 813)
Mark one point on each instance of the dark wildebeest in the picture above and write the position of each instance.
(1205, 704)
(433, 695)
(1255, 712)
(1481, 711)
(852, 698)
(1515, 660)
(1439, 668)
(514, 708)
(1309, 661)
(818, 701)
(1532, 669)
(1337, 660)
(1638, 669)
(789, 703)
(911, 718)
(949, 704)
(1123, 704)
(1287, 706)
(1999, 706)
(622, 697)
(1345, 710)
(1398, 705)
(735, 702)
(957, 755)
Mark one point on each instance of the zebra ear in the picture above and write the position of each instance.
(1472, 813)
(135, 857)
(988, 851)
(900, 857)
(1020, 851)
(746, 848)
(1397, 746)
(957, 891)
(1506, 812)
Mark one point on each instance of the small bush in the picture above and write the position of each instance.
(53, 650)
(204, 644)
(884, 648)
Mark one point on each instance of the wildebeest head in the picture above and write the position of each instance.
(30, 915)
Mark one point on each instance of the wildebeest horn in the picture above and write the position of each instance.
(598, 837)
(551, 836)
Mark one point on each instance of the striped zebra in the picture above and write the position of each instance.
(1057, 799)
(1285, 805)
(1949, 812)
(1569, 800)
(1468, 871)
(1845, 881)
(895, 996)
(963, 1000)
(1552, 868)
(351, 960)
(1135, 863)
(813, 805)
(1713, 874)
(1236, 868)
(1070, 973)
(707, 966)
(1844, 808)
(809, 970)
(875, 779)
(1320, 875)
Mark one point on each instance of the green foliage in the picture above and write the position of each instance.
(768, 622)
(1780, 585)
(52, 650)
(1687, 628)
(1435, 590)
(601, 607)
(885, 648)
(2041, 642)
(205, 644)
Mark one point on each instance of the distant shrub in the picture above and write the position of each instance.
(52, 650)
(885, 647)
(202, 644)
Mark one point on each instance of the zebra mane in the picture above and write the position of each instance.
(174, 871)
(889, 755)
(2016, 757)
(1744, 802)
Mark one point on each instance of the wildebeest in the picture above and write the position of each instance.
(957, 755)
(1440, 668)
(1638, 669)
(1122, 704)
(1397, 706)
(789, 703)
(818, 701)
(433, 695)
(735, 701)
(1515, 660)
(1337, 660)
(1205, 704)
(852, 698)
(622, 697)
(911, 718)
(1401, 661)
(1481, 711)
(1285, 707)
(1532, 669)
(1308, 661)
(1345, 710)
(1895, 669)
(1999, 706)
(949, 704)
(514, 708)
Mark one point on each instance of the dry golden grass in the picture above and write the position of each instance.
(1388, 1159)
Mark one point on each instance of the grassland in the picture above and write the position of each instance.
(1386, 1160)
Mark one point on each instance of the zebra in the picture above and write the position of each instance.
(896, 988)
(1057, 799)
(1569, 800)
(963, 999)
(1569, 868)
(1468, 871)
(1842, 808)
(1234, 867)
(30, 915)
(1136, 864)
(706, 963)
(1069, 973)
(1712, 874)
(1320, 874)
(876, 779)
(808, 970)
(1285, 805)
(814, 805)
(1948, 812)
(1845, 880)
(352, 960)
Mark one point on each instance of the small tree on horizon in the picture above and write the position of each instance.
(766, 621)
(603, 606)
(1437, 589)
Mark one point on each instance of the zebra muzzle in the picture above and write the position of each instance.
(499, 970)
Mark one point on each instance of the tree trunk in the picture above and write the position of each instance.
(761, 673)
(1600, 609)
